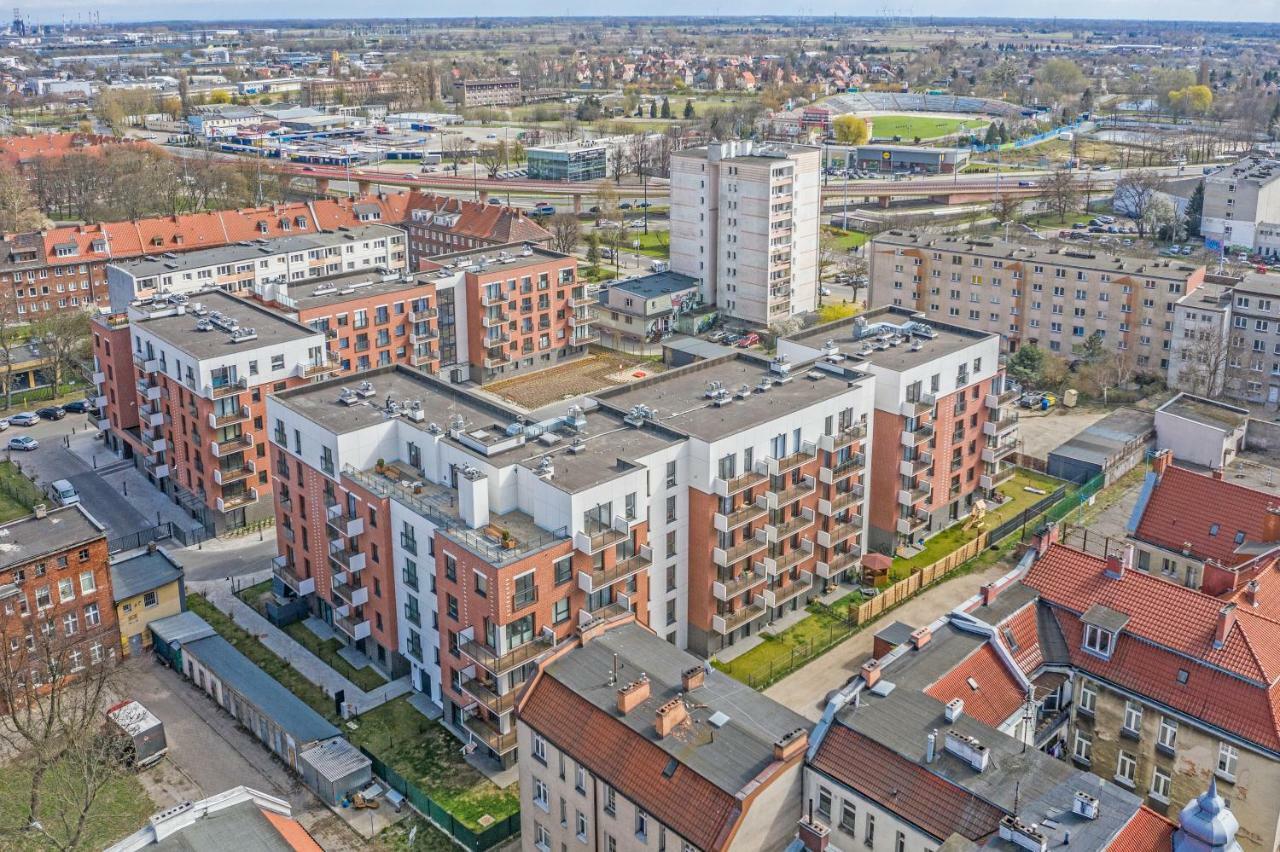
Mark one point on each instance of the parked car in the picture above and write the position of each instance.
(749, 340)
(4, 423)
(1107, 220)
(1077, 226)
(626, 205)
(78, 406)
(25, 418)
(1102, 168)
(52, 412)
(826, 291)
(64, 492)
(25, 443)
(717, 335)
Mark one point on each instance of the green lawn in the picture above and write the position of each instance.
(17, 493)
(924, 126)
(956, 536)
(596, 274)
(654, 244)
(120, 808)
(778, 654)
(845, 240)
(429, 757)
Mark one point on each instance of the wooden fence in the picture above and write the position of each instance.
(917, 580)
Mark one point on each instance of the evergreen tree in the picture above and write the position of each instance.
(653, 109)
(666, 108)
(688, 109)
(1195, 208)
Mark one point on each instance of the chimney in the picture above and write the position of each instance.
(1084, 805)
(790, 745)
(920, 638)
(669, 716)
(871, 672)
(968, 749)
(814, 836)
(1118, 563)
(1271, 523)
(954, 709)
(1216, 473)
(988, 593)
(1160, 461)
(152, 547)
(931, 746)
(1251, 592)
(633, 694)
(1046, 537)
(692, 678)
(1023, 835)
(1226, 620)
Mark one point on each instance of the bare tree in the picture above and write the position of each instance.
(64, 338)
(1061, 193)
(11, 334)
(566, 231)
(18, 209)
(494, 158)
(1202, 367)
(1135, 194)
(1006, 208)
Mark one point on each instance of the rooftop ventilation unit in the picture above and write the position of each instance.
(365, 389)
(577, 446)
(240, 335)
(204, 325)
(347, 396)
(744, 392)
(764, 384)
(546, 468)
(414, 411)
(714, 389)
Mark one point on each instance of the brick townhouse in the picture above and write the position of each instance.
(439, 224)
(1055, 298)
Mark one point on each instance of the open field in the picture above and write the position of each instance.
(602, 369)
(922, 125)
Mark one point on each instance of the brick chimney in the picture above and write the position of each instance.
(921, 637)
(1046, 537)
(871, 672)
(1271, 523)
(1160, 461)
(1117, 564)
(1216, 473)
(1226, 620)
(790, 745)
(669, 716)
(988, 593)
(633, 695)
(692, 678)
(1251, 590)
(814, 835)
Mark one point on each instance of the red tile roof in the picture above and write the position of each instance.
(907, 789)
(1170, 630)
(491, 222)
(1025, 647)
(688, 803)
(1184, 506)
(16, 149)
(1148, 831)
(998, 694)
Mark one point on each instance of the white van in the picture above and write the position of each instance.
(64, 492)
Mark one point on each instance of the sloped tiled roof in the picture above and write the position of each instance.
(691, 805)
(1185, 507)
(16, 149)
(491, 222)
(1025, 646)
(997, 694)
(909, 790)
(1148, 831)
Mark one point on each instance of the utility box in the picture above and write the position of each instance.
(144, 731)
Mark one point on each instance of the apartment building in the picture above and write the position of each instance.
(627, 743)
(1227, 341)
(1201, 335)
(637, 313)
(487, 91)
(938, 744)
(945, 429)
(1054, 298)
(439, 224)
(1241, 201)
(55, 589)
(744, 222)
(516, 308)
(202, 370)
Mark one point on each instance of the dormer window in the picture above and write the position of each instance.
(64, 249)
(1213, 529)
(1240, 537)
(263, 227)
(1099, 641)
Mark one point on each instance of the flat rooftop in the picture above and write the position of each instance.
(1205, 411)
(1110, 435)
(740, 748)
(1256, 170)
(1264, 283)
(892, 338)
(679, 401)
(511, 256)
(657, 284)
(32, 537)
(184, 331)
(337, 289)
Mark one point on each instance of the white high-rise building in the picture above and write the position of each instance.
(744, 222)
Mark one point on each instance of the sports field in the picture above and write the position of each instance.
(925, 126)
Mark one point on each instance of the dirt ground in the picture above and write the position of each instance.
(597, 371)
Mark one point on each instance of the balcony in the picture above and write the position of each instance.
(99, 401)
(490, 300)
(996, 400)
(424, 315)
(346, 593)
(989, 481)
(597, 536)
(593, 581)
(917, 436)
(340, 524)
(156, 468)
(607, 612)
(912, 496)
(729, 487)
(146, 364)
(739, 517)
(311, 369)
(855, 463)
(485, 695)
(776, 597)
(580, 319)
(229, 446)
(354, 626)
(493, 361)
(775, 565)
(584, 338)
(227, 476)
(726, 623)
(842, 439)
(236, 415)
(916, 466)
(151, 415)
(487, 733)
(780, 532)
(912, 524)
(918, 407)
(153, 442)
(150, 392)
(840, 502)
(345, 560)
(994, 428)
(998, 453)
(423, 336)
(238, 501)
(226, 388)
(733, 555)
(288, 575)
(778, 499)
(581, 302)
(98, 378)
(727, 590)
(103, 424)
(839, 562)
(421, 359)
(499, 664)
(777, 467)
(495, 319)
(495, 339)
(840, 532)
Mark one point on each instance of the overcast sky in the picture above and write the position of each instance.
(52, 11)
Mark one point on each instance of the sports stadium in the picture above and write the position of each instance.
(924, 116)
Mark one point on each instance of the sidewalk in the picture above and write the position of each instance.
(282, 645)
(805, 691)
(153, 504)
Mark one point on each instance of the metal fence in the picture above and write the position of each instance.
(160, 532)
(441, 818)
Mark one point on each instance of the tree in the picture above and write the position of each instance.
(1192, 100)
(12, 333)
(607, 196)
(1161, 220)
(64, 338)
(850, 130)
(494, 158)
(1195, 209)
(1061, 77)
(1026, 365)
(665, 112)
(218, 96)
(565, 232)
(688, 109)
(1201, 362)
(593, 249)
(18, 210)
(1006, 209)
(1134, 195)
(1061, 193)
(1093, 348)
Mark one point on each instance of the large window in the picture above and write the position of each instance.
(1132, 718)
(1168, 733)
(1126, 767)
(1088, 697)
(1228, 755)
(824, 803)
(1098, 641)
(1160, 784)
(1083, 748)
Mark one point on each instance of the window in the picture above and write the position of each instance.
(66, 590)
(1228, 755)
(610, 801)
(150, 599)
(482, 585)
(87, 584)
(642, 825)
(277, 362)
(671, 508)
(541, 797)
(1083, 748)
(869, 833)
(92, 616)
(900, 843)
(1132, 718)
(541, 838)
(848, 818)
(1098, 641)
(1168, 733)
(1126, 766)
(560, 611)
(671, 474)
(71, 624)
(581, 826)
(580, 779)
(564, 570)
(540, 749)
(824, 803)
(1160, 783)
(1088, 697)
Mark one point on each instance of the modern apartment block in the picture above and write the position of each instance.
(744, 222)
(1053, 298)
(1228, 341)
(945, 429)
(1240, 201)
(200, 374)
(627, 743)
(487, 91)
